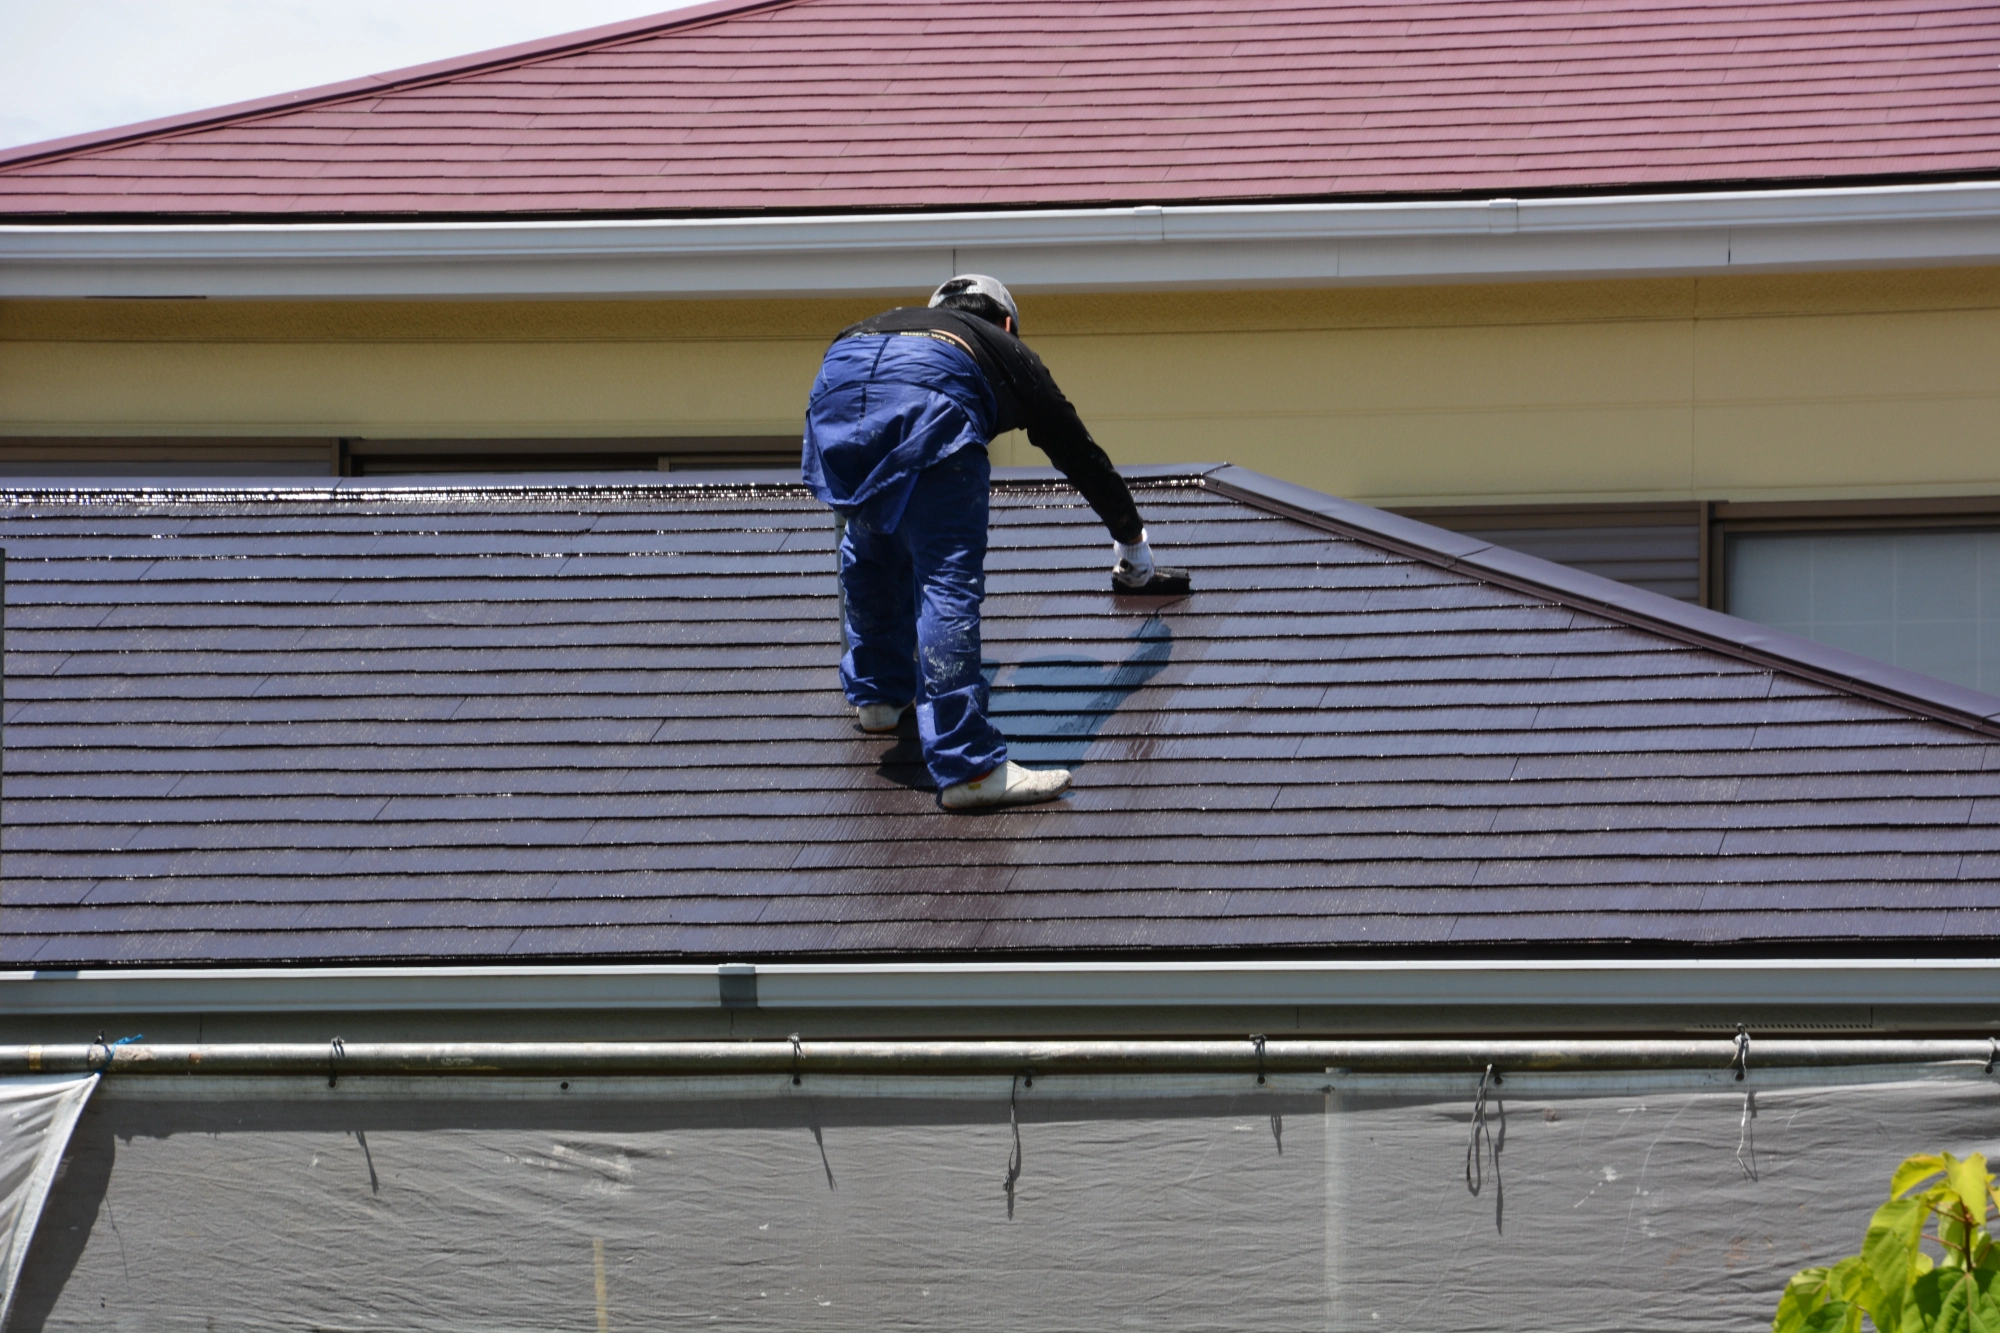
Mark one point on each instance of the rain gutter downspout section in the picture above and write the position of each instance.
(1244, 1056)
(1149, 247)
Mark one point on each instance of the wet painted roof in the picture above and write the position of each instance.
(541, 720)
(808, 105)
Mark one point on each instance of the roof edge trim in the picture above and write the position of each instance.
(1826, 665)
(515, 53)
(1371, 983)
(1172, 247)
(238, 490)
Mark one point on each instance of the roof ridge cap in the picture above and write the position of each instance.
(1821, 663)
(223, 487)
(516, 53)
(238, 490)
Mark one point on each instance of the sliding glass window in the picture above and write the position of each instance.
(1925, 600)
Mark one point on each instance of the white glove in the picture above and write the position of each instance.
(1135, 562)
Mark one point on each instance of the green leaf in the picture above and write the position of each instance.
(1984, 1315)
(1926, 1298)
(1805, 1293)
(1890, 1251)
(1954, 1312)
(1831, 1317)
(1913, 1172)
(1970, 1182)
(1848, 1282)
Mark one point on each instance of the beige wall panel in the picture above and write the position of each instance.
(1475, 456)
(1847, 357)
(1520, 456)
(1853, 449)
(1402, 414)
(406, 389)
(1356, 372)
(1885, 403)
(1801, 386)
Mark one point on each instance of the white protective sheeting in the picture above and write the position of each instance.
(1605, 1202)
(1628, 1202)
(37, 1113)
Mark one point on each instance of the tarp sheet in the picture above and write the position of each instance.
(37, 1113)
(1324, 1203)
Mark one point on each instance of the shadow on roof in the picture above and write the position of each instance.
(1052, 708)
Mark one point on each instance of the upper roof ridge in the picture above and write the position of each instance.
(516, 53)
(791, 107)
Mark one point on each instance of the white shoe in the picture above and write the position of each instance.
(880, 717)
(1009, 784)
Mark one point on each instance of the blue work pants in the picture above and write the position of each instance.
(912, 603)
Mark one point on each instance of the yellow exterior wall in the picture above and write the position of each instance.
(1777, 387)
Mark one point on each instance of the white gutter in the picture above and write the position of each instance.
(801, 1059)
(1460, 985)
(1149, 248)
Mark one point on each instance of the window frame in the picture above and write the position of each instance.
(1726, 519)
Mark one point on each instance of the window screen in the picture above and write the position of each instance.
(1928, 601)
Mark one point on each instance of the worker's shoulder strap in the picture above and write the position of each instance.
(984, 343)
(938, 335)
(910, 319)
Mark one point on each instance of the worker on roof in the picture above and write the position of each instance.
(896, 435)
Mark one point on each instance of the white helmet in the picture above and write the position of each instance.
(978, 284)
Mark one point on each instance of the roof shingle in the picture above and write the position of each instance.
(903, 104)
(522, 720)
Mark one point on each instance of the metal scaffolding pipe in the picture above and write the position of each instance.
(1245, 1056)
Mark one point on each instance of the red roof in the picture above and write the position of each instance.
(897, 104)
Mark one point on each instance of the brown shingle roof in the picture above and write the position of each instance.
(905, 104)
(535, 720)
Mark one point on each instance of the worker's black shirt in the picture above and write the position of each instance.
(1027, 397)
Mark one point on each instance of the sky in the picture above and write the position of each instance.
(67, 66)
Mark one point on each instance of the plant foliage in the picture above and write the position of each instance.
(1895, 1281)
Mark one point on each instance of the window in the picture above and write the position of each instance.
(1928, 600)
